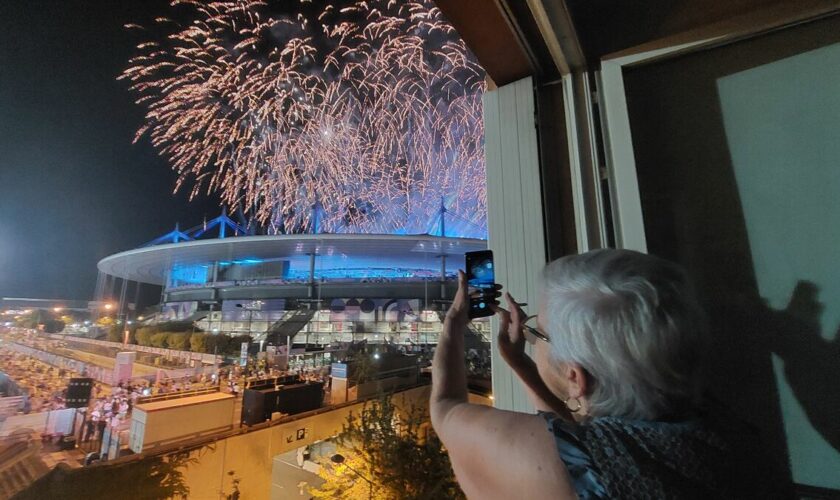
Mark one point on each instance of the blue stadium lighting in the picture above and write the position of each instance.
(360, 273)
(223, 223)
(443, 223)
(174, 236)
(189, 275)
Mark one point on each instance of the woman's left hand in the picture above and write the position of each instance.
(511, 339)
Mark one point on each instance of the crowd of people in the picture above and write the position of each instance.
(235, 379)
(112, 408)
(44, 387)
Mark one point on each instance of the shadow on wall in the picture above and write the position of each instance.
(694, 216)
(810, 361)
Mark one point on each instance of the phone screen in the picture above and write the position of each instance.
(481, 277)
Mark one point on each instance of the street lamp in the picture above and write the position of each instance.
(339, 459)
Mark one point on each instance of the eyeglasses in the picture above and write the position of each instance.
(532, 328)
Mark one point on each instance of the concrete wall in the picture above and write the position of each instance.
(514, 213)
(249, 457)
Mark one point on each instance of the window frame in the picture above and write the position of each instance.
(624, 193)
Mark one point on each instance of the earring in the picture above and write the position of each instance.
(575, 409)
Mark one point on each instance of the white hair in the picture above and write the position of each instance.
(632, 322)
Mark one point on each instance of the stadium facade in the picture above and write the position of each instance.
(313, 288)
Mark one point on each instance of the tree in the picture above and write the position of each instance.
(178, 340)
(34, 318)
(144, 335)
(115, 333)
(394, 449)
(216, 343)
(362, 367)
(198, 342)
(159, 339)
(149, 478)
(105, 321)
(234, 345)
(176, 326)
(53, 326)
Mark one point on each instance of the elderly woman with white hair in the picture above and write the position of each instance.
(616, 379)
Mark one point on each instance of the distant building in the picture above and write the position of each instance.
(58, 305)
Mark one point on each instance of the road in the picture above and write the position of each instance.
(287, 479)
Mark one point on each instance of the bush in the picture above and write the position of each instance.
(235, 344)
(176, 326)
(114, 334)
(53, 326)
(198, 342)
(216, 343)
(105, 321)
(144, 335)
(179, 341)
(159, 339)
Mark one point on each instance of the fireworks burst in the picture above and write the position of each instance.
(370, 110)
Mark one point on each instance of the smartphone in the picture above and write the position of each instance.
(481, 277)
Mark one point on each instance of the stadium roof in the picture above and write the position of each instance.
(151, 264)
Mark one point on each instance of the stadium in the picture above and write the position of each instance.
(316, 289)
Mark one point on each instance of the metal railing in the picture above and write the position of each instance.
(179, 394)
(171, 353)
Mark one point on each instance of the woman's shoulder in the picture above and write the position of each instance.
(569, 438)
(683, 457)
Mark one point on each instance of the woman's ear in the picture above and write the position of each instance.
(577, 380)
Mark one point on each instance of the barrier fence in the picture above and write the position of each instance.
(98, 373)
(102, 374)
(46, 422)
(208, 359)
(10, 405)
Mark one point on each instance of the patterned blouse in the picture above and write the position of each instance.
(610, 457)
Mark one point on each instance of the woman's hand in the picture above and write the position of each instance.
(458, 313)
(512, 348)
(511, 335)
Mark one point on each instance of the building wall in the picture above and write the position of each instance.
(514, 215)
(249, 457)
(737, 167)
(607, 26)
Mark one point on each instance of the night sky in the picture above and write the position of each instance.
(73, 187)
